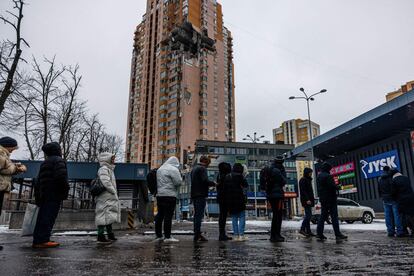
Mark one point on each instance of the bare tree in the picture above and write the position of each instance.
(11, 53)
(69, 111)
(47, 106)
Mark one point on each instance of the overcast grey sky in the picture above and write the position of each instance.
(357, 49)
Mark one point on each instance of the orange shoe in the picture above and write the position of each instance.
(46, 245)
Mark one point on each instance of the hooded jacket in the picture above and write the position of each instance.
(224, 170)
(169, 178)
(327, 189)
(403, 193)
(52, 183)
(233, 191)
(108, 210)
(275, 181)
(385, 187)
(200, 182)
(7, 170)
(306, 189)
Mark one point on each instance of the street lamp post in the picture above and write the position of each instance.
(308, 99)
(254, 140)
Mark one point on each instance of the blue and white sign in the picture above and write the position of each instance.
(373, 166)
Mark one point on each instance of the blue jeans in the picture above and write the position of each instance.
(239, 223)
(199, 208)
(307, 219)
(330, 208)
(393, 218)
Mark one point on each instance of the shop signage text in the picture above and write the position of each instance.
(373, 166)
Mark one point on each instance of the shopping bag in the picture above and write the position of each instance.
(30, 218)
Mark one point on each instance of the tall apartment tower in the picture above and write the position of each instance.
(176, 97)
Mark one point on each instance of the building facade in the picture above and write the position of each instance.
(255, 156)
(177, 97)
(360, 148)
(404, 89)
(296, 132)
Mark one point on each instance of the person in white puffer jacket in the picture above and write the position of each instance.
(168, 181)
(108, 210)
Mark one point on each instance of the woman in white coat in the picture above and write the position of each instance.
(108, 209)
(168, 181)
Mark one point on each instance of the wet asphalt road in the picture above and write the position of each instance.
(366, 253)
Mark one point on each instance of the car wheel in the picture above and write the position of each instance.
(367, 218)
(350, 221)
(329, 220)
(314, 219)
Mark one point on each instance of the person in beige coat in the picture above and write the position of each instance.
(108, 209)
(7, 167)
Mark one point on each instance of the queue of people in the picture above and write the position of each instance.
(52, 187)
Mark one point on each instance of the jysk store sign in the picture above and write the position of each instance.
(373, 166)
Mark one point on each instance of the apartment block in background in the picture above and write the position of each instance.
(176, 97)
(404, 89)
(296, 132)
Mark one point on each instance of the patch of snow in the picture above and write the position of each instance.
(75, 233)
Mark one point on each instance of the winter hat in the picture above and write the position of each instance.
(279, 159)
(52, 149)
(238, 168)
(8, 142)
(224, 168)
(326, 167)
(307, 171)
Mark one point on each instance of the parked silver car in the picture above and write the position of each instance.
(348, 210)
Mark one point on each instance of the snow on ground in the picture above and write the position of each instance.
(377, 225)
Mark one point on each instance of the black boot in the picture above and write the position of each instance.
(111, 237)
(102, 239)
(225, 238)
(1, 247)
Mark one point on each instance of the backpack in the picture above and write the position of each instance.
(265, 175)
(152, 182)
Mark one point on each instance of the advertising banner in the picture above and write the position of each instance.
(348, 167)
(373, 166)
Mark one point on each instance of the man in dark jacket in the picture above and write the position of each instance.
(224, 170)
(199, 193)
(307, 198)
(328, 194)
(402, 193)
(392, 216)
(273, 179)
(51, 189)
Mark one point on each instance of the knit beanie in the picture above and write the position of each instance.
(8, 142)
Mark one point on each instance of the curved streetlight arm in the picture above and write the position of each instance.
(306, 95)
(316, 94)
(294, 98)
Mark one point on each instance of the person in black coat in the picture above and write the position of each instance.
(199, 193)
(272, 180)
(307, 198)
(328, 195)
(393, 218)
(51, 189)
(224, 170)
(403, 194)
(234, 197)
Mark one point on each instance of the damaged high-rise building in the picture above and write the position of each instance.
(182, 86)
